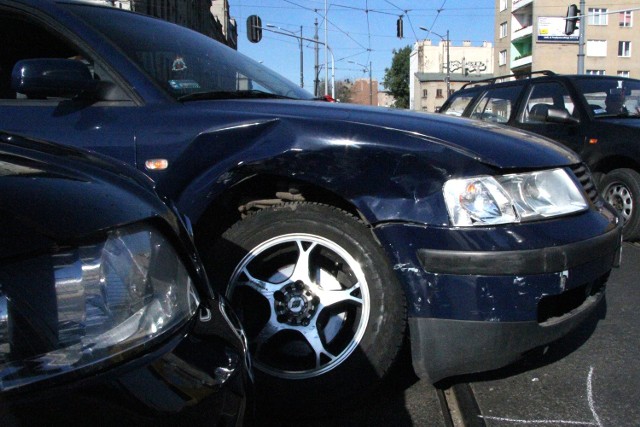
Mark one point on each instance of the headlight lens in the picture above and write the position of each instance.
(90, 304)
(487, 200)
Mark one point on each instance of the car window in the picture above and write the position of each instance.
(543, 96)
(496, 105)
(457, 105)
(183, 62)
(611, 96)
(22, 38)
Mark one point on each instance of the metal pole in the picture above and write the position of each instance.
(370, 86)
(301, 61)
(326, 54)
(583, 27)
(316, 67)
(448, 67)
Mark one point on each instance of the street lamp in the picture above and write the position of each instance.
(300, 43)
(448, 77)
(370, 80)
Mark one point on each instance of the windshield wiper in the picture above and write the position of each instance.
(231, 94)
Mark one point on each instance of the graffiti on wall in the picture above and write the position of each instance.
(468, 66)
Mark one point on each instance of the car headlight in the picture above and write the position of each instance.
(488, 200)
(89, 304)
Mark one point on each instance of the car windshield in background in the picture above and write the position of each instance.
(188, 65)
(611, 96)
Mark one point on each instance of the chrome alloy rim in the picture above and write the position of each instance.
(305, 303)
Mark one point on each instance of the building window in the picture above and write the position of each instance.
(596, 48)
(624, 49)
(425, 92)
(598, 16)
(503, 5)
(626, 18)
(596, 72)
(502, 58)
(503, 30)
(439, 93)
(623, 73)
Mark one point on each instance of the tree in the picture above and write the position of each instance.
(396, 78)
(343, 90)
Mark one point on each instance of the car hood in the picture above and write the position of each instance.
(495, 145)
(52, 196)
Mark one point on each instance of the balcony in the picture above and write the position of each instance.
(519, 4)
(522, 32)
(521, 61)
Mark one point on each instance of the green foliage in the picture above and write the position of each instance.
(396, 78)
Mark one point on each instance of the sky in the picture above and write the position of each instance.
(359, 32)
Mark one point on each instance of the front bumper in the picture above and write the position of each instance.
(198, 376)
(480, 298)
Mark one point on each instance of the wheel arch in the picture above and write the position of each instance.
(607, 164)
(259, 192)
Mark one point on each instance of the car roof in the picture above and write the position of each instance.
(535, 76)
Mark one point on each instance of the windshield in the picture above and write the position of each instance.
(187, 64)
(611, 96)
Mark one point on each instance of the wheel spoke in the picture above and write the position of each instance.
(264, 288)
(302, 268)
(313, 338)
(270, 328)
(331, 297)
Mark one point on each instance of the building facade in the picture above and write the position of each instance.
(209, 17)
(429, 64)
(529, 36)
(364, 92)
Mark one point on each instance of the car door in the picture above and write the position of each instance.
(541, 97)
(104, 126)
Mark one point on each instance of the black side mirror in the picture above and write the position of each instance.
(50, 77)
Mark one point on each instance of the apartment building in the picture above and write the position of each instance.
(437, 70)
(529, 36)
(209, 17)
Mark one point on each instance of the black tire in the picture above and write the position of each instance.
(323, 311)
(621, 188)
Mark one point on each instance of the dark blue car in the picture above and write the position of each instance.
(341, 229)
(106, 315)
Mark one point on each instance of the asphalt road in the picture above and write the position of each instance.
(590, 378)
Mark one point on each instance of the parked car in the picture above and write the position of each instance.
(106, 315)
(596, 116)
(340, 229)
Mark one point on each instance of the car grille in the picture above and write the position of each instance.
(584, 176)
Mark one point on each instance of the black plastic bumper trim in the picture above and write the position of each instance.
(522, 262)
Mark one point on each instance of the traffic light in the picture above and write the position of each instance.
(399, 28)
(572, 19)
(254, 28)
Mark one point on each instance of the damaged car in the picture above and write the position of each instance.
(335, 231)
(106, 314)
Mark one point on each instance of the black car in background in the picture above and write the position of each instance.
(106, 315)
(597, 116)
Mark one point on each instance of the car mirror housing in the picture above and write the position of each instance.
(560, 115)
(50, 77)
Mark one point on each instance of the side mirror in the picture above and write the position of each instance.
(49, 77)
(560, 115)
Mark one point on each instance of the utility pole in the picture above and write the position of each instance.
(448, 67)
(317, 69)
(583, 28)
(370, 86)
(301, 61)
